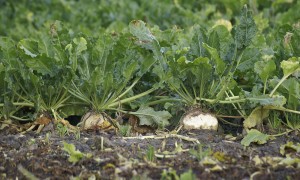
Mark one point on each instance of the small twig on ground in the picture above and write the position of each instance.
(166, 136)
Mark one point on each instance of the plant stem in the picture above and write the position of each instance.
(19, 104)
(163, 100)
(131, 98)
(279, 83)
(127, 90)
(280, 134)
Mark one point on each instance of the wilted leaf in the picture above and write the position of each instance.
(148, 116)
(256, 117)
(255, 136)
(290, 162)
(257, 161)
(289, 146)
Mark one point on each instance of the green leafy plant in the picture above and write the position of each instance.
(125, 130)
(150, 154)
(75, 155)
(62, 130)
(31, 74)
(105, 66)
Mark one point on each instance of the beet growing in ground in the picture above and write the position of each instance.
(105, 155)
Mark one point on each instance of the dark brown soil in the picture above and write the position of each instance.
(42, 156)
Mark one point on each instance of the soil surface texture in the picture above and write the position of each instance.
(106, 155)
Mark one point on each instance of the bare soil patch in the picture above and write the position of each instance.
(115, 157)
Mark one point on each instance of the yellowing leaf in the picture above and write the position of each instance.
(290, 162)
(257, 160)
(290, 146)
(256, 117)
(290, 66)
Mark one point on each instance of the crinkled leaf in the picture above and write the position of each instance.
(148, 41)
(265, 69)
(265, 100)
(256, 117)
(101, 50)
(255, 136)
(148, 116)
(42, 64)
(75, 155)
(138, 29)
(245, 31)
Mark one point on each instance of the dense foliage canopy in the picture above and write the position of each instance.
(151, 59)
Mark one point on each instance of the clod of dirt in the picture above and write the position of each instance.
(198, 120)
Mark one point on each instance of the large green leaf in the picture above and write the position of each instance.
(148, 116)
(220, 65)
(264, 69)
(43, 65)
(249, 58)
(199, 37)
